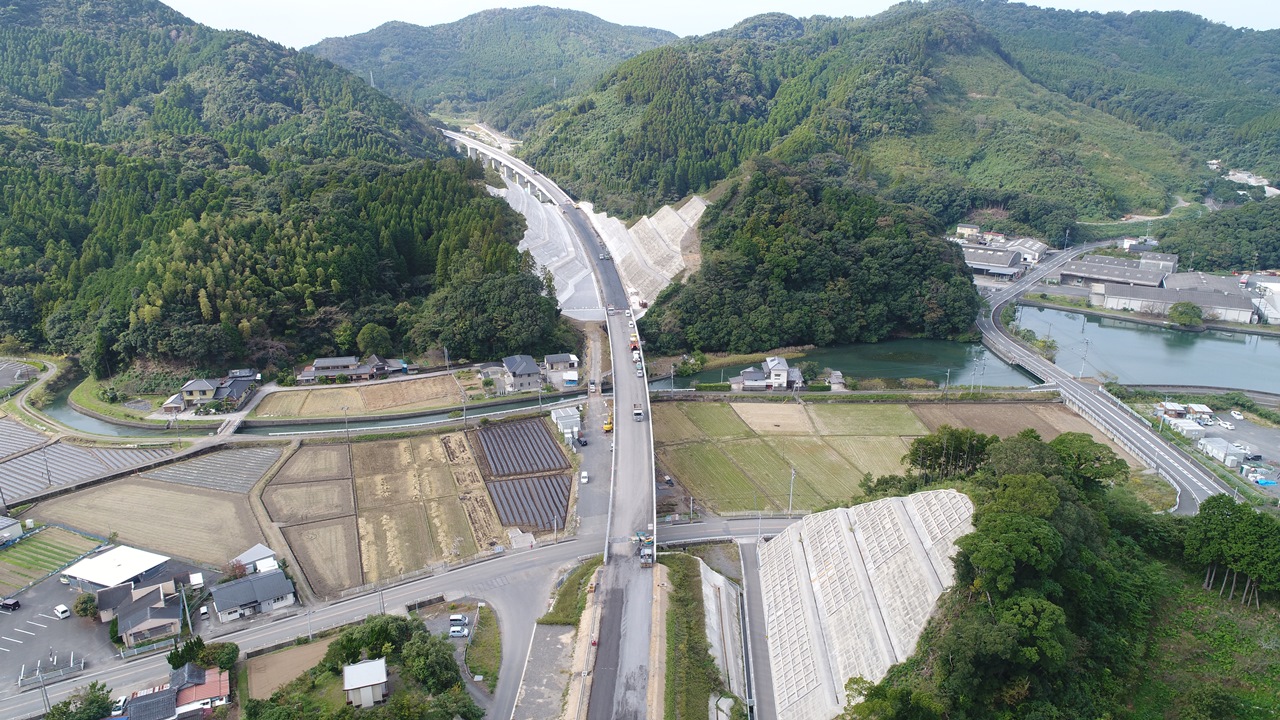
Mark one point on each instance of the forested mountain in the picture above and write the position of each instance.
(1244, 238)
(498, 64)
(1213, 87)
(921, 99)
(168, 190)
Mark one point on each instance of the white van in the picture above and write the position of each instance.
(583, 476)
(62, 611)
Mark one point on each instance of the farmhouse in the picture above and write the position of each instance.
(365, 683)
(561, 361)
(116, 566)
(142, 614)
(10, 530)
(253, 595)
(258, 558)
(232, 390)
(774, 374)
(521, 373)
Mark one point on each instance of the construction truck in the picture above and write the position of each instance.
(637, 412)
(608, 423)
(645, 550)
(635, 342)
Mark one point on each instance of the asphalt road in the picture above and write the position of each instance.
(1192, 481)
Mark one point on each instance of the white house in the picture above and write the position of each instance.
(365, 683)
(774, 374)
(561, 361)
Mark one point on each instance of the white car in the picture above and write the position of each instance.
(628, 313)
(639, 373)
(584, 477)
(1227, 425)
(1237, 414)
(631, 323)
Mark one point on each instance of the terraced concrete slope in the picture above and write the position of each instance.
(848, 591)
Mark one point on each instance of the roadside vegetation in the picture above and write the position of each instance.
(692, 675)
(484, 652)
(571, 596)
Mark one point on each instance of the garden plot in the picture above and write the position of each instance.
(16, 437)
(329, 553)
(23, 475)
(539, 503)
(520, 448)
(188, 522)
(39, 555)
(316, 462)
(775, 418)
(235, 470)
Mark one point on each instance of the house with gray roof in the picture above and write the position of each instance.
(773, 374)
(561, 361)
(253, 595)
(521, 373)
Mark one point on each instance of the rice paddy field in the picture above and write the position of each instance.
(740, 456)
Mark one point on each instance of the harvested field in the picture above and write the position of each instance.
(775, 418)
(771, 473)
(394, 540)
(282, 404)
(328, 553)
(671, 426)
(235, 470)
(453, 535)
(710, 476)
(421, 393)
(478, 507)
(858, 419)
(382, 458)
(294, 503)
(994, 419)
(315, 462)
(39, 555)
(539, 503)
(330, 401)
(520, 448)
(826, 470)
(716, 420)
(875, 455)
(207, 526)
(270, 672)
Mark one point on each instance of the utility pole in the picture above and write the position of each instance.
(446, 357)
(791, 493)
(1084, 358)
(345, 426)
(44, 451)
(946, 387)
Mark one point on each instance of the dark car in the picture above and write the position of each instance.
(10, 604)
(1252, 458)
(582, 441)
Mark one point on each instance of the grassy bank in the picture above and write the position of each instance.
(484, 654)
(691, 673)
(571, 597)
(86, 396)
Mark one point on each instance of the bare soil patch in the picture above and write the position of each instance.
(422, 393)
(1003, 419)
(187, 522)
(330, 401)
(327, 551)
(775, 418)
(268, 673)
(382, 458)
(294, 503)
(315, 462)
(282, 404)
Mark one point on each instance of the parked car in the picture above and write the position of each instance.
(584, 477)
(459, 631)
(639, 373)
(10, 604)
(582, 441)
(1227, 425)
(628, 313)
(455, 620)
(62, 611)
(631, 323)
(1253, 458)
(1237, 414)
(117, 708)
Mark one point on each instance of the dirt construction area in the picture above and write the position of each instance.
(207, 526)
(409, 503)
(385, 397)
(270, 672)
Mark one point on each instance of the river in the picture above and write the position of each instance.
(1145, 355)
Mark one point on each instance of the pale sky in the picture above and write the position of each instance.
(299, 23)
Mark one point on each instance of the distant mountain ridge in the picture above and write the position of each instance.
(500, 64)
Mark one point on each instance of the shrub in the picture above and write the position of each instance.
(818, 387)
(712, 387)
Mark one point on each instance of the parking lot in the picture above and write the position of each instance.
(1256, 439)
(32, 634)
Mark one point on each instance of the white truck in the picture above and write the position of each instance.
(637, 412)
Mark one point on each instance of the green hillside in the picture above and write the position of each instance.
(497, 64)
(1213, 87)
(172, 191)
(922, 99)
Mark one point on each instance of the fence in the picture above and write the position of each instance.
(42, 676)
(163, 645)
